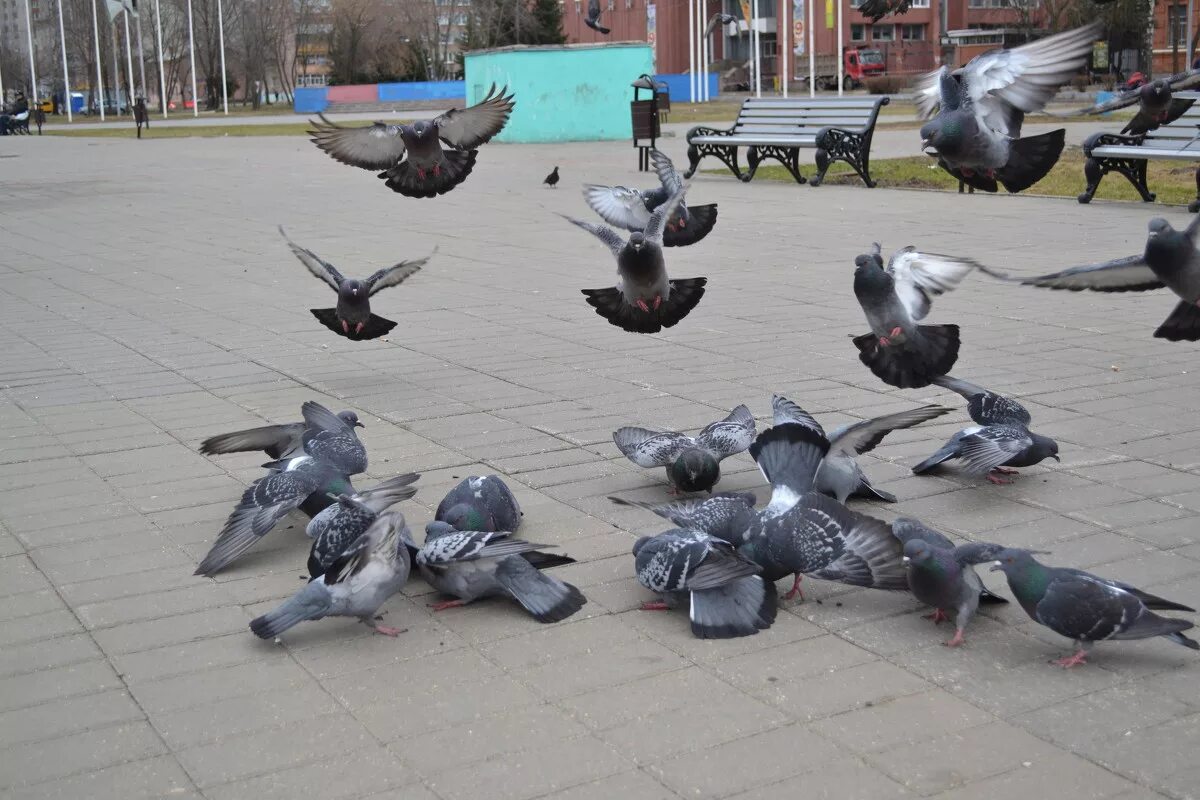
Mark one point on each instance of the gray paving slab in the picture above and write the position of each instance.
(146, 302)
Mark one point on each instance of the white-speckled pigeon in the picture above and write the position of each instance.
(631, 209)
(368, 572)
(1156, 102)
(352, 316)
(725, 515)
(1088, 608)
(278, 441)
(335, 528)
(471, 565)
(480, 504)
(411, 156)
(840, 475)
(727, 596)
(693, 465)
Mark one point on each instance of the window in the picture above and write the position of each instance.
(1177, 26)
(919, 4)
(1004, 3)
(858, 32)
(883, 33)
(913, 33)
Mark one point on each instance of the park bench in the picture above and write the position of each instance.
(1129, 155)
(838, 128)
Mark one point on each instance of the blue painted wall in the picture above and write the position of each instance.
(309, 100)
(677, 86)
(563, 93)
(421, 90)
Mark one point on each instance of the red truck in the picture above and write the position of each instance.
(859, 64)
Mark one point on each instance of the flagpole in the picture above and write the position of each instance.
(691, 6)
(1, 87)
(116, 76)
(32, 68)
(99, 73)
(812, 53)
(162, 78)
(754, 48)
(141, 55)
(841, 51)
(128, 63)
(62, 36)
(783, 34)
(192, 51)
(221, 37)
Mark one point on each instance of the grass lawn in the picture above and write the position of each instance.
(128, 131)
(1174, 183)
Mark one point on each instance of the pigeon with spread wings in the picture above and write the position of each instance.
(411, 155)
(976, 133)
(631, 209)
(1156, 103)
(352, 316)
(876, 10)
(592, 20)
(693, 465)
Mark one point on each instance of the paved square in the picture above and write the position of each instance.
(146, 302)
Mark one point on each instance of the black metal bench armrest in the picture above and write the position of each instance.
(1102, 139)
(704, 130)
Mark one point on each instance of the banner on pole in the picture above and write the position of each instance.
(799, 35)
(115, 7)
(828, 15)
(746, 12)
(652, 30)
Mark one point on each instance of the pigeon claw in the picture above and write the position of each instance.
(653, 605)
(437, 170)
(442, 606)
(358, 328)
(657, 301)
(795, 590)
(386, 631)
(1071, 660)
(345, 327)
(420, 173)
(957, 641)
(938, 616)
(1006, 471)
(642, 305)
(996, 479)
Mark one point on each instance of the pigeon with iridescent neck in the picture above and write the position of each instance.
(480, 504)
(693, 464)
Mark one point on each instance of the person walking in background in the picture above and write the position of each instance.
(141, 116)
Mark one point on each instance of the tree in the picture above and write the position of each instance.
(547, 21)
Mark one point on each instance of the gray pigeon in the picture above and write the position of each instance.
(631, 209)
(332, 453)
(1170, 259)
(719, 18)
(900, 352)
(976, 134)
(1000, 441)
(335, 528)
(480, 504)
(278, 441)
(727, 596)
(1088, 608)
(1156, 103)
(368, 572)
(644, 300)
(352, 316)
(725, 515)
(592, 20)
(411, 155)
(474, 564)
(693, 465)
(840, 475)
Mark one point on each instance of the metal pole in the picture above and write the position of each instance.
(192, 51)
(841, 49)
(32, 68)
(162, 78)
(1, 88)
(116, 75)
(754, 52)
(691, 51)
(702, 71)
(1191, 11)
(783, 36)
(128, 63)
(221, 37)
(99, 73)
(62, 37)
(812, 57)
(141, 54)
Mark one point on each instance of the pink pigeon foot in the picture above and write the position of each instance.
(345, 327)
(996, 479)
(420, 173)
(795, 590)
(642, 305)
(386, 631)
(446, 604)
(938, 616)
(957, 641)
(437, 170)
(654, 605)
(657, 301)
(1072, 660)
(358, 328)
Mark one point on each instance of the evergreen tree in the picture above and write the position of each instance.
(547, 27)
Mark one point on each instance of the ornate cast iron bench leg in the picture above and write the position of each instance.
(788, 156)
(726, 153)
(838, 145)
(1194, 206)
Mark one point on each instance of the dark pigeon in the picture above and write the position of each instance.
(719, 18)
(470, 565)
(1156, 103)
(976, 134)
(412, 158)
(357, 584)
(335, 528)
(1088, 608)
(552, 179)
(693, 465)
(840, 475)
(876, 10)
(727, 596)
(999, 442)
(631, 209)
(480, 504)
(644, 300)
(592, 20)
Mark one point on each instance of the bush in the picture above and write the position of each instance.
(887, 84)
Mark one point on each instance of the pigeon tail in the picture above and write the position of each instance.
(597, 27)
(741, 608)
(609, 303)
(542, 560)
(948, 451)
(1151, 624)
(685, 295)
(547, 599)
(1179, 638)
(789, 456)
(872, 558)
(701, 220)
(454, 168)
(929, 352)
(311, 602)
(865, 489)
(1030, 158)
(991, 599)
(1183, 325)
(375, 327)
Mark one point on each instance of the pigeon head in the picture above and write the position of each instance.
(637, 240)
(423, 128)
(1014, 561)
(640, 543)
(870, 276)
(1043, 447)
(351, 419)
(695, 471)
(462, 517)
(354, 290)
(1165, 245)
(435, 529)
(1156, 92)
(917, 551)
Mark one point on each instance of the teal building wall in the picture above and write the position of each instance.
(564, 93)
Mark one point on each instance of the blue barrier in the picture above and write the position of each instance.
(677, 86)
(422, 90)
(310, 100)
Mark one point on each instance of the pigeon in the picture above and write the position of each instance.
(474, 564)
(728, 598)
(552, 179)
(412, 158)
(644, 300)
(332, 453)
(943, 576)
(352, 317)
(631, 209)
(277, 441)
(976, 134)
(335, 528)
(1001, 439)
(1156, 104)
(368, 572)
(840, 476)
(876, 10)
(1170, 259)
(480, 504)
(900, 352)
(1086, 607)
(593, 18)
(693, 465)
(719, 18)
(725, 515)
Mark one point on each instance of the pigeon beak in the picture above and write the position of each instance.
(905, 559)
(1056, 458)
(995, 567)
(359, 425)
(926, 145)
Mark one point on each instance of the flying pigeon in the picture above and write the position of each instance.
(277, 441)
(1088, 608)
(1156, 103)
(552, 179)
(718, 18)
(644, 300)
(727, 596)
(593, 18)
(999, 441)
(335, 528)
(943, 576)
(475, 564)
(1170, 259)
(480, 504)
(976, 134)
(875, 10)
(368, 572)
(412, 158)
(332, 453)
(631, 209)
(900, 352)
(840, 475)
(352, 317)
(693, 465)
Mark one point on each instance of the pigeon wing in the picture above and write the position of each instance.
(329, 439)
(985, 406)
(862, 437)
(731, 435)
(602, 232)
(920, 277)
(668, 176)
(710, 515)
(316, 265)
(396, 274)
(618, 205)
(906, 528)
(1081, 608)
(992, 446)
(1129, 274)
(468, 128)
(1027, 77)
(648, 448)
(658, 220)
(374, 147)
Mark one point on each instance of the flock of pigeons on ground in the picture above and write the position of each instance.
(724, 555)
